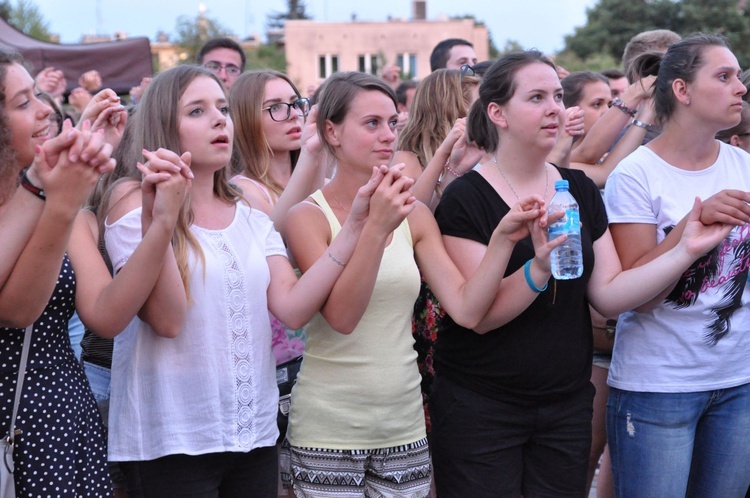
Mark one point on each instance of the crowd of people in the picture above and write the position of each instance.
(382, 247)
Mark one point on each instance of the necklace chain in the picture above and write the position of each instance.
(546, 179)
(341, 205)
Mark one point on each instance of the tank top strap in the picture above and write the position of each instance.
(333, 222)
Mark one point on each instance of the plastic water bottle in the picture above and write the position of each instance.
(567, 259)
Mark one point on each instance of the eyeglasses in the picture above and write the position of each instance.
(743, 134)
(282, 110)
(467, 70)
(216, 68)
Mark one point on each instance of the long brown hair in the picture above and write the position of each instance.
(252, 155)
(438, 102)
(8, 168)
(155, 125)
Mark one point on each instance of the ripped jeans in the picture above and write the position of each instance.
(680, 444)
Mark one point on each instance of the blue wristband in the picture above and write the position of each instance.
(527, 274)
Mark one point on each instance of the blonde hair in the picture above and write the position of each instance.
(252, 153)
(441, 98)
(156, 125)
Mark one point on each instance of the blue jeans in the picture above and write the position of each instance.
(680, 444)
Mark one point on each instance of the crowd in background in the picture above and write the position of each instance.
(235, 289)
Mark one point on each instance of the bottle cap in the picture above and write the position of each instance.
(562, 185)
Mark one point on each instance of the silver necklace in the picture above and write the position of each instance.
(546, 179)
(341, 205)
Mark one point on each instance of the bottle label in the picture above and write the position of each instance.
(570, 223)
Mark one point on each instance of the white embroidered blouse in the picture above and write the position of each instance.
(213, 387)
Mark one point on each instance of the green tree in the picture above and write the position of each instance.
(611, 23)
(26, 17)
(295, 10)
(192, 33)
(266, 56)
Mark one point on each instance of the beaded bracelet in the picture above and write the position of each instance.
(451, 170)
(531, 284)
(26, 183)
(335, 259)
(623, 107)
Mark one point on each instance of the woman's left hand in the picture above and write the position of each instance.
(574, 121)
(698, 238)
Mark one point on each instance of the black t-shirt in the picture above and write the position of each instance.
(546, 350)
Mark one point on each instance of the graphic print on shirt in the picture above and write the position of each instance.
(726, 268)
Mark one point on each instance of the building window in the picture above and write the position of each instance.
(368, 64)
(408, 64)
(327, 65)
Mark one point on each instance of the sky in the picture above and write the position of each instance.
(540, 24)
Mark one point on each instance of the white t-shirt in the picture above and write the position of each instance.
(212, 388)
(698, 338)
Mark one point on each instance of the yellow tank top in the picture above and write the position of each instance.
(361, 391)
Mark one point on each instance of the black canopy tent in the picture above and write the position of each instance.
(122, 64)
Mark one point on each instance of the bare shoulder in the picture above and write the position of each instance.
(89, 218)
(413, 168)
(254, 194)
(422, 222)
(307, 217)
(125, 197)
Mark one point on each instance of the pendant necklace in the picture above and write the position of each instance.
(546, 179)
(546, 191)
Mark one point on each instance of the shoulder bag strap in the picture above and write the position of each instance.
(19, 384)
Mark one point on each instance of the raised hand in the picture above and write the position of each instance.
(728, 206)
(516, 224)
(390, 74)
(163, 186)
(105, 112)
(67, 184)
(574, 121)
(90, 147)
(464, 154)
(52, 81)
(392, 200)
(91, 80)
(361, 204)
(699, 238)
(310, 141)
(79, 98)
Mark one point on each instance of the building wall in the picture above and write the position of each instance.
(307, 41)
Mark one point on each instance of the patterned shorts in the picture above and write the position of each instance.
(397, 472)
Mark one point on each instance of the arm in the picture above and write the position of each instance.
(628, 142)
(636, 242)
(560, 154)
(34, 274)
(514, 294)
(468, 297)
(106, 113)
(309, 238)
(452, 159)
(107, 305)
(604, 132)
(308, 176)
(345, 269)
(165, 307)
(612, 291)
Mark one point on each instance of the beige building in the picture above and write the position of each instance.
(315, 50)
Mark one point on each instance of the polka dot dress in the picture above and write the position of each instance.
(62, 450)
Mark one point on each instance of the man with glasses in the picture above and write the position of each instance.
(224, 57)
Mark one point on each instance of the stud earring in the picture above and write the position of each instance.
(687, 102)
